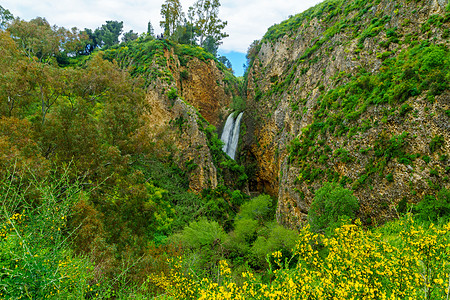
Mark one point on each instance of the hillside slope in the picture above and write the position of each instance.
(355, 92)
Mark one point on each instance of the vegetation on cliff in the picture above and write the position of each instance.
(363, 90)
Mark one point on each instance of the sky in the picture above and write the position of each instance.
(248, 20)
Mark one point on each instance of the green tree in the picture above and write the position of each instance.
(129, 36)
(223, 59)
(38, 39)
(330, 205)
(5, 17)
(109, 33)
(172, 14)
(14, 84)
(150, 30)
(92, 41)
(211, 45)
(187, 34)
(205, 16)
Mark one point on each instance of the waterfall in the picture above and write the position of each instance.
(230, 135)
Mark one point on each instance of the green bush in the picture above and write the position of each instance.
(278, 239)
(435, 57)
(259, 208)
(433, 208)
(331, 204)
(245, 230)
(201, 233)
(238, 104)
(390, 177)
(436, 143)
(172, 94)
(184, 75)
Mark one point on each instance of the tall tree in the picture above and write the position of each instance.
(187, 34)
(150, 30)
(5, 17)
(173, 15)
(205, 16)
(92, 42)
(210, 45)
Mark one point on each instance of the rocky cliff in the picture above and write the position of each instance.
(188, 91)
(355, 92)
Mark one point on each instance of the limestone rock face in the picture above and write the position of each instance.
(176, 127)
(174, 131)
(204, 88)
(288, 80)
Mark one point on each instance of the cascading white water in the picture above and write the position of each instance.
(227, 132)
(230, 135)
(235, 140)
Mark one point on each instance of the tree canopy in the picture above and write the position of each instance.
(202, 25)
(205, 16)
(5, 17)
(172, 14)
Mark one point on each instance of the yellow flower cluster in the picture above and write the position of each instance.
(7, 227)
(352, 264)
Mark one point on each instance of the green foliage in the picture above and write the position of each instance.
(331, 205)
(184, 75)
(404, 109)
(216, 205)
(37, 38)
(434, 208)
(259, 208)
(390, 177)
(35, 258)
(172, 14)
(202, 233)
(394, 147)
(5, 17)
(238, 105)
(436, 143)
(172, 94)
(204, 15)
(245, 230)
(278, 239)
(434, 57)
(170, 178)
(194, 51)
(108, 34)
(202, 241)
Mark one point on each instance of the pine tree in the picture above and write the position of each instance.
(150, 30)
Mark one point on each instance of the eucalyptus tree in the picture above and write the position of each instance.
(5, 17)
(172, 14)
(205, 16)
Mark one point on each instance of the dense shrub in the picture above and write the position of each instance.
(332, 203)
(172, 94)
(259, 208)
(434, 208)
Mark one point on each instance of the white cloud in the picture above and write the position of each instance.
(247, 20)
